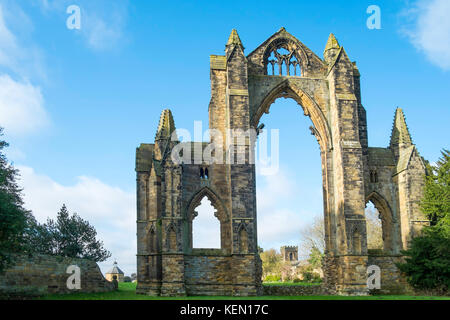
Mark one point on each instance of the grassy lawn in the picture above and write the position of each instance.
(127, 292)
(290, 283)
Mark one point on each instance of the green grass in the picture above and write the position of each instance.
(127, 292)
(290, 283)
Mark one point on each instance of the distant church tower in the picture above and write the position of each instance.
(289, 253)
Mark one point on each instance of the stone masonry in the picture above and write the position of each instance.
(243, 87)
(43, 274)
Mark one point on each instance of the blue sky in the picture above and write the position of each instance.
(76, 103)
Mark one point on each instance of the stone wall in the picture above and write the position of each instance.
(43, 274)
(392, 281)
(209, 274)
(300, 290)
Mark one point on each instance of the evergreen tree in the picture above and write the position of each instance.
(15, 221)
(436, 201)
(70, 236)
(427, 264)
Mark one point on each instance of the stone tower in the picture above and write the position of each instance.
(289, 253)
(243, 87)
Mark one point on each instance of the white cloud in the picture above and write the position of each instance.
(8, 43)
(431, 30)
(278, 223)
(102, 21)
(109, 209)
(102, 33)
(18, 53)
(21, 103)
(21, 107)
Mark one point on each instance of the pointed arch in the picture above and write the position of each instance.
(221, 214)
(288, 89)
(310, 63)
(171, 237)
(388, 222)
(381, 205)
(215, 201)
(152, 239)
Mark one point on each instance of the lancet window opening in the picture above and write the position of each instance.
(283, 62)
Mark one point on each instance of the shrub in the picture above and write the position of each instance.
(272, 278)
(311, 277)
(427, 263)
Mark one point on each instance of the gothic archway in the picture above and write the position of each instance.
(387, 222)
(220, 213)
(320, 129)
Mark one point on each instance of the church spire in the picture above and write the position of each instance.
(166, 125)
(234, 39)
(400, 136)
(332, 43)
(331, 49)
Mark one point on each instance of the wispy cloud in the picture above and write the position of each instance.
(21, 102)
(109, 209)
(278, 223)
(428, 28)
(103, 32)
(103, 22)
(21, 107)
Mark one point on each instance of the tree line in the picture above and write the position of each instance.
(20, 233)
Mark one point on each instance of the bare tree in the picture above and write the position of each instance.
(374, 227)
(312, 237)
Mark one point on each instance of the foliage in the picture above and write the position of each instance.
(272, 278)
(311, 277)
(287, 273)
(428, 257)
(69, 236)
(427, 263)
(127, 279)
(315, 258)
(271, 262)
(14, 218)
(436, 201)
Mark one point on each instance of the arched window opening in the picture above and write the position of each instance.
(280, 204)
(243, 241)
(204, 173)
(373, 176)
(206, 227)
(291, 257)
(282, 62)
(374, 227)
